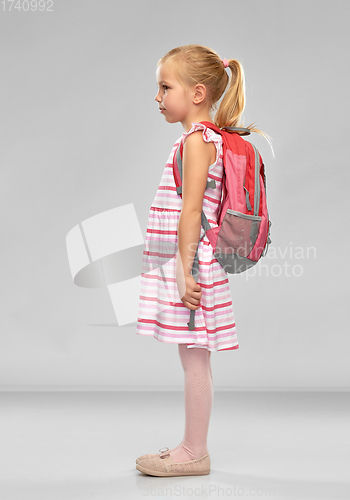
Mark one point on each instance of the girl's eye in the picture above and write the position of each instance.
(165, 87)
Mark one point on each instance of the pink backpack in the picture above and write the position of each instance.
(242, 235)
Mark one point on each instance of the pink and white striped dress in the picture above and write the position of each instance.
(161, 312)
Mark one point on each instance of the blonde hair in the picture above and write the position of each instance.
(195, 64)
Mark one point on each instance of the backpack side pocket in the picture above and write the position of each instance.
(235, 240)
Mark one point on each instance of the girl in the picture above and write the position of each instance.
(191, 79)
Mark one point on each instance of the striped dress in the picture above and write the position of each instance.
(161, 312)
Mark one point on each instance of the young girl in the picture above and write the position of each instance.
(191, 80)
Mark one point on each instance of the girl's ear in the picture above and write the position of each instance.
(200, 92)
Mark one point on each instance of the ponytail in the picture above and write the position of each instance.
(232, 105)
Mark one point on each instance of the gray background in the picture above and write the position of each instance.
(81, 134)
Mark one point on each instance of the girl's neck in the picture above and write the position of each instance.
(202, 117)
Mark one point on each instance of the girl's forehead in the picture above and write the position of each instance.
(165, 72)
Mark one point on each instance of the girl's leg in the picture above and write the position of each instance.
(198, 403)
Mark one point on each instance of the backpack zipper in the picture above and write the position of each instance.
(247, 201)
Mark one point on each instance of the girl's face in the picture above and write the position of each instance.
(173, 98)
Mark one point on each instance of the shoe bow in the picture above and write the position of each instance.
(163, 452)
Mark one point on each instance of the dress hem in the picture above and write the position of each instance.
(229, 348)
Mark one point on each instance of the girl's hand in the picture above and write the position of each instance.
(189, 291)
(193, 294)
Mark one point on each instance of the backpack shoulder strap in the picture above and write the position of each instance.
(212, 127)
(177, 166)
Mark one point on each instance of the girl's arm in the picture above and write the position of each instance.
(197, 156)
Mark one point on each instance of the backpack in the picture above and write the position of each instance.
(243, 232)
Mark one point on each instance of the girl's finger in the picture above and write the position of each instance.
(191, 306)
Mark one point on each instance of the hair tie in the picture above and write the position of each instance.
(225, 63)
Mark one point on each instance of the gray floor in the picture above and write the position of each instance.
(82, 445)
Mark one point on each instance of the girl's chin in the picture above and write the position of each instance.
(170, 120)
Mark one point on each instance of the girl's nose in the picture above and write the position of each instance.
(157, 98)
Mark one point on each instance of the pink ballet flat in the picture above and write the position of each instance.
(163, 465)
